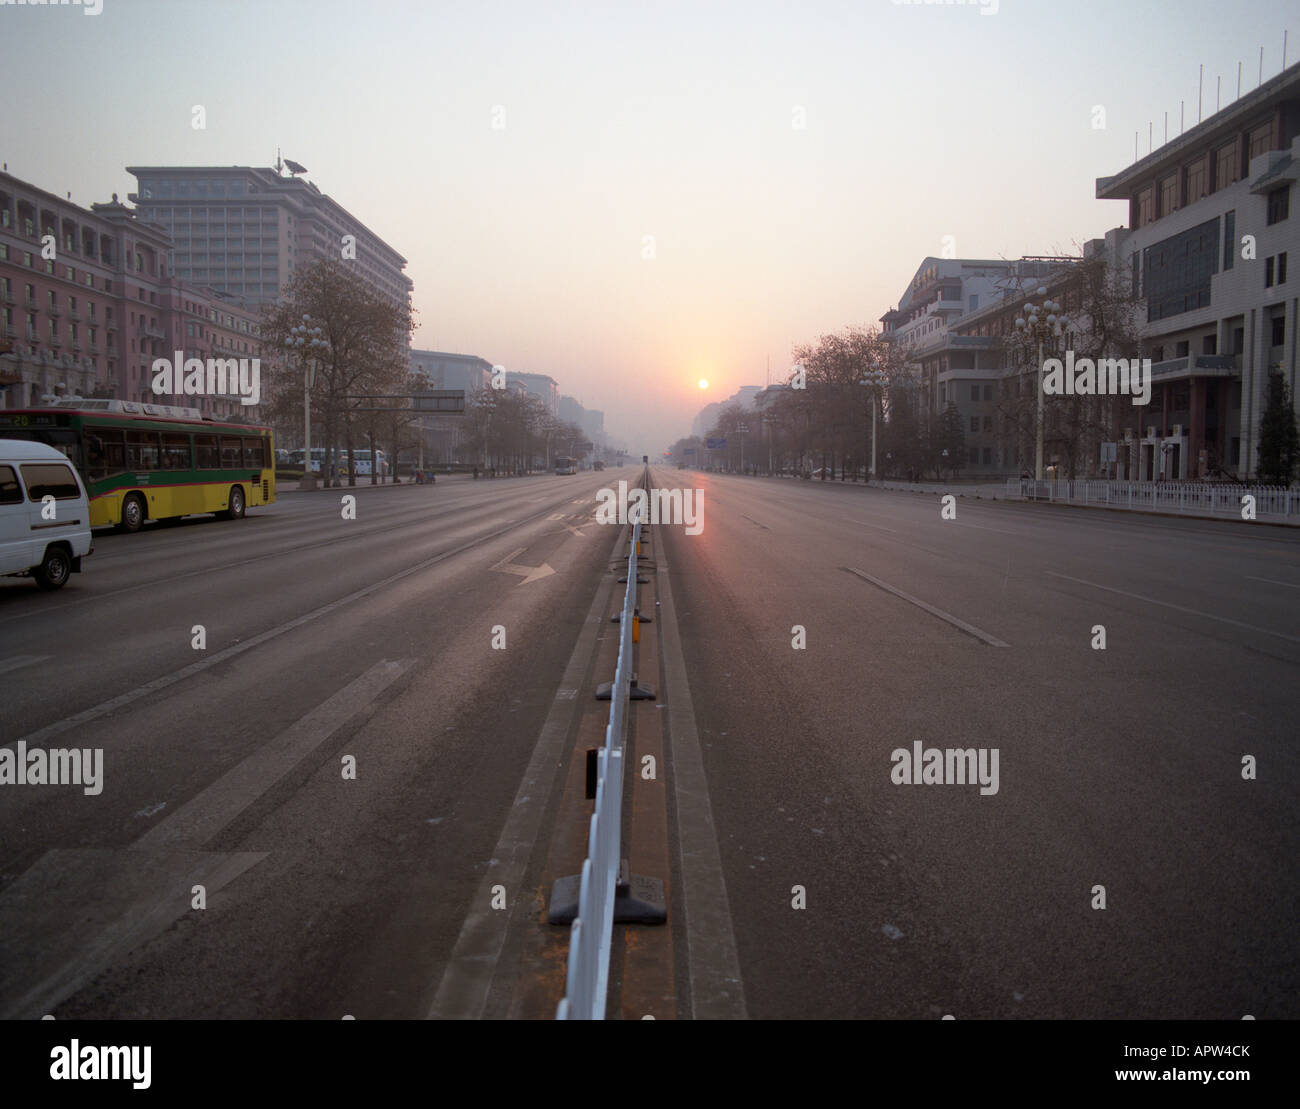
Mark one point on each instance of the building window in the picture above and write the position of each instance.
(988, 423)
(1229, 238)
(1268, 273)
(974, 456)
(1278, 336)
(1146, 206)
(974, 423)
(1169, 194)
(54, 299)
(1177, 271)
(1197, 181)
(1281, 268)
(1279, 204)
(1225, 166)
(974, 392)
(1261, 140)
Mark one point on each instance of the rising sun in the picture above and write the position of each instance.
(704, 383)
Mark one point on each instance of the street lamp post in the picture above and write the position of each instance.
(307, 341)
(877, 377)
(741, 429)
(1038, 323)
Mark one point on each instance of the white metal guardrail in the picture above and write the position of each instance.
(1163, 496)
(591, 933)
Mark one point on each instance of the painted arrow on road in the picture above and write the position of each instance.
(528, 573)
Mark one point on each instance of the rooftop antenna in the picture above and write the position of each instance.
(1261, 65)
(1218, 91)
(1200, 85)
(1238, 80)
(279, 165)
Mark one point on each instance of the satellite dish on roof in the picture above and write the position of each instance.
(294, 167)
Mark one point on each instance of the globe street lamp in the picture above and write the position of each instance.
(1039, 322)
(875, 377)
(308, 343)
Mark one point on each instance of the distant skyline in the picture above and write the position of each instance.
(792, 165)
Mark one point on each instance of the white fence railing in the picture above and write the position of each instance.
(1193, 497)
(591, 933)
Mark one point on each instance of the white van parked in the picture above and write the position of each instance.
(44, 513)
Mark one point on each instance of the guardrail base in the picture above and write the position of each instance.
(635, 693)
(617, 618)
(637, 899)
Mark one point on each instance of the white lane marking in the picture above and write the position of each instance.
(1271, 581)
(529, 573)
(1180, 608)
(219, 805)
(239, 648)
(717, 991)
(19, 661)
(969, 629)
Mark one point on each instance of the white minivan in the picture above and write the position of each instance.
(44, 513)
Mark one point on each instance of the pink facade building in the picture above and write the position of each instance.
(87, 302)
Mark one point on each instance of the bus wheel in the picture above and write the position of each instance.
(54, 569)
(132, 513)
(236, 509)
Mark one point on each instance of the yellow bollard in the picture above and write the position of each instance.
(636, 628)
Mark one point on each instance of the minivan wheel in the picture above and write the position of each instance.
(236, 509)
(54, 570)
(132, 513)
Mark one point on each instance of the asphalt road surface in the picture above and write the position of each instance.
(301, 802)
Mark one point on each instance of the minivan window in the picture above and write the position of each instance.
(10, 491)
(49, 479)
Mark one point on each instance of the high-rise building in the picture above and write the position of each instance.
(244, 230)
(542, 386)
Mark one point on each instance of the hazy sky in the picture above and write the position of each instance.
(676, 121)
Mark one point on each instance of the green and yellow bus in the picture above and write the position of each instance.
(152, 461)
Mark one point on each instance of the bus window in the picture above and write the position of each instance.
(176, 451)
(205, 446)
(141, 450)
(255, 453)
(104, 453)
(230, 458)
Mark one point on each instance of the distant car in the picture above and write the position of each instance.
(823, 473)
(46, 538)
(598, 465)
